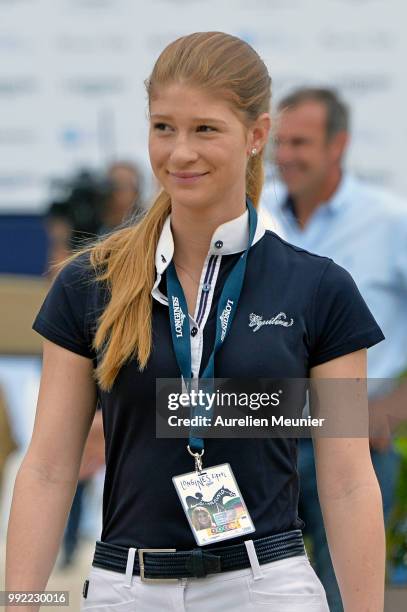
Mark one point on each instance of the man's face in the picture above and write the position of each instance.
(303, 153)
(125, 191)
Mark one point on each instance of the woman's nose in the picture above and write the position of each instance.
(183, 152)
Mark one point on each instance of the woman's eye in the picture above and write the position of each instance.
(205, 128)
(161, 126)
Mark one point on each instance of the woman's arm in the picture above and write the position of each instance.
(93, 457)
(351, 501)
(47, 479)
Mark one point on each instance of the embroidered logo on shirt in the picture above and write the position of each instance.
(178, 316)
(224, 318)
(256, 321)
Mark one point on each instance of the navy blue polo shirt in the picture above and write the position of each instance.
(327, 318)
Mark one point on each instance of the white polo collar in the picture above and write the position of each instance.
(229, 238)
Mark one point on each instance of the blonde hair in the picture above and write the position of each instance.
(125, 260)
(194, 519)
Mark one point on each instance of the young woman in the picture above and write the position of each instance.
(115, 320)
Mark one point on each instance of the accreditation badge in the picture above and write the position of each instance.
(213, 504)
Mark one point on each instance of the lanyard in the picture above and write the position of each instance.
(226, 311)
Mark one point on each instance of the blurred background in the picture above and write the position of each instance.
(74, 165)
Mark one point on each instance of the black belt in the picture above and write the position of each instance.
(166, 564)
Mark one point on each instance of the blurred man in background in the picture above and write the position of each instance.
(324, 209)
(124, 199)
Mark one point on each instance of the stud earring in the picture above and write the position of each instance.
(254, 151)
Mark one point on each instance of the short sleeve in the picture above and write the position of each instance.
(341, 320)
(65, 317)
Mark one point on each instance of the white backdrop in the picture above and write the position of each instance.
(72, 71)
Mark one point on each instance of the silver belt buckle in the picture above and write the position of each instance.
(141, 552)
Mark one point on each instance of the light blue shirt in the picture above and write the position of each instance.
(364, 229)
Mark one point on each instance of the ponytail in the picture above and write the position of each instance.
(125, 261)
(255, 178)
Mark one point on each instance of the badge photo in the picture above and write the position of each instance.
(213, 504)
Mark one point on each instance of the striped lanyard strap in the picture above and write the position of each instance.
(227, 307)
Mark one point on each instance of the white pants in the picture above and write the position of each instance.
(289, 585)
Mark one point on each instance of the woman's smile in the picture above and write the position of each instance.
(187, 178)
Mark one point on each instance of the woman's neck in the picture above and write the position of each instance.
(193, 229)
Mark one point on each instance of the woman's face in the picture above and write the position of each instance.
(203, 518)
(198, 146)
